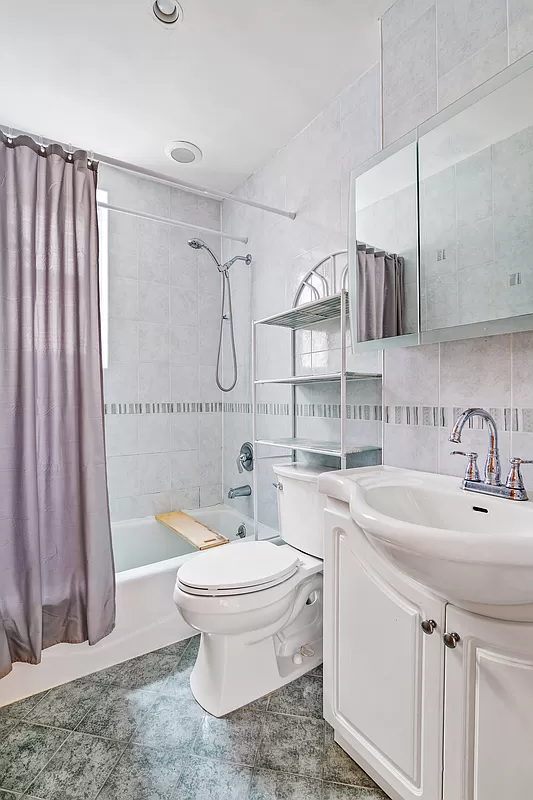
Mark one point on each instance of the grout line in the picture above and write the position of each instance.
(28, 787)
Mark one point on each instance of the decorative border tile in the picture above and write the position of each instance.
(160, 408)
(507, 419)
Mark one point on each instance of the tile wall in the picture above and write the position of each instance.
(163, 411)
(433, 53)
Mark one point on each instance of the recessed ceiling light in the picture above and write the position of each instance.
(183, 152)
(167, 11)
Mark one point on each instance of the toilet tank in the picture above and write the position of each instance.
(301, 507)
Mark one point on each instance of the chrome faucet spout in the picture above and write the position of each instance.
(492, 475)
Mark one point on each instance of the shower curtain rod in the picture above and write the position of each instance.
(193, 188)
(166, 221)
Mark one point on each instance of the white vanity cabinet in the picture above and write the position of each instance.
(383, 675)
(425, 720)
(488, 728)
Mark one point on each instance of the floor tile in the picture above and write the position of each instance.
(335, 791)
(9, 795)
(317, 671)
(340, 768)
(148, 671)
(78, 770)
(66, 706)
(6, 723)
(21, 707)
(117, 712)
(267, 785)
(231, 738)
(177, 682)
(207, 779)
(302, 697)
(143, 774)
(24, 752)
(291, 744)
(170, 723)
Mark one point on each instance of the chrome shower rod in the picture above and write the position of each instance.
(158, 176)
(175, 222)
(192, 187)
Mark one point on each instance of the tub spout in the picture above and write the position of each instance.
(240, 491)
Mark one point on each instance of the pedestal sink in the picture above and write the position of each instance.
(463, 546)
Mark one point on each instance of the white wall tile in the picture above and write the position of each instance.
(123, 300)
(154, 473)
(153, 342)
(184, 384)
(476, 372)
(466, 26)
(123, 508)
(123, 476)
(121, 434)
(123, 340)
(121, 382)
(210, 495)
(153, 251)
(154, 433)
(184, 345)
(148, 505)
(184, 431)
(184, 470)
(153, 303)
(183, 307)
(154, 383)
(185, 498)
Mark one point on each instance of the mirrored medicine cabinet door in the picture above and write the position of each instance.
(441, 223)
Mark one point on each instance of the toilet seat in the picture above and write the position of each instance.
(227, 571)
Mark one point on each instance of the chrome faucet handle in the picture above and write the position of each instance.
(240, 462)
(514, 476)
(472, 470)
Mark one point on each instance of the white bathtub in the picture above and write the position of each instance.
(147, 557)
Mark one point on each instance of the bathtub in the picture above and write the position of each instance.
(147, 557)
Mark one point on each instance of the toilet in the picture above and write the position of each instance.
(258, 605)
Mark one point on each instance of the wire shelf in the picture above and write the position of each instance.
(309, 313)
(316, 446)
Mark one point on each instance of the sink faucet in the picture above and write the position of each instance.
(514, 486)
(240, 491)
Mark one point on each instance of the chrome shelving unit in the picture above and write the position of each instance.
(322, 307)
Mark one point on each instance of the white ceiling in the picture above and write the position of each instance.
(238, 78)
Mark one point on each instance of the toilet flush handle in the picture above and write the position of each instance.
(278, 485)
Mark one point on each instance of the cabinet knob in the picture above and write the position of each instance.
(451, 640)
(428, 626)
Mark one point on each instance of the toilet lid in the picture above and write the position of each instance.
(238, 568)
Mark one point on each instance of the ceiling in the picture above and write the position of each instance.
(238, 78)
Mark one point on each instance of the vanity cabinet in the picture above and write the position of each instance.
(488, 722)
(382, 673)
(426, 720)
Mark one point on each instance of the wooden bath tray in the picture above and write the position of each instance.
(200, 536)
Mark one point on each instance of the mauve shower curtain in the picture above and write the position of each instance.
(380, 294)
(56, 563)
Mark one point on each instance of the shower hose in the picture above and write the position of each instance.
(226, 288)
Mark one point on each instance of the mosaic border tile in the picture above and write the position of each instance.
(160, 408)
(519, 420)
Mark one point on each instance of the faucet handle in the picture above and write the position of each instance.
(472, 471)
(514, 476)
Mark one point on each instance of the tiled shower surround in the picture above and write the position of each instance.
(163, 410)
(434, 51)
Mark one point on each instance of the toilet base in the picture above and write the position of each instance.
(230, 673)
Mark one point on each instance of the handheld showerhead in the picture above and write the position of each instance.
(196, 244)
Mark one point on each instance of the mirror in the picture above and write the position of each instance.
(383, 249)
(476, 214)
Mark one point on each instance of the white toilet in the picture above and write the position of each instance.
(258, 605)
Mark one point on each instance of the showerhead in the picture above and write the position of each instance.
(198, 244)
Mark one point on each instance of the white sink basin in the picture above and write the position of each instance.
(461, 545)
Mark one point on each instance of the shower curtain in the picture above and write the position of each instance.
(56, 563)
(380, 294)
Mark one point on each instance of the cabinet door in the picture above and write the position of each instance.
(488, 732)
(383, 675)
